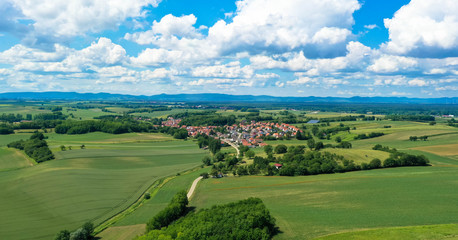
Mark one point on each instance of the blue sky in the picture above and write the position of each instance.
(261, 47)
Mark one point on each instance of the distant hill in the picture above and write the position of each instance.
(216, 97)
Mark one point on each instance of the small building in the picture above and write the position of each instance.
(278, 165)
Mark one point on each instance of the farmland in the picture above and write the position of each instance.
(88, 184)
(102, 177)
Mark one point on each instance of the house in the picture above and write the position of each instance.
(278, 165)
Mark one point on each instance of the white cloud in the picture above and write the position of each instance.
(390, 64)
(230, 70)
(371, 26)
(280, 26)
(424, 28)
(169, 27)
(68, 18)
(302, 81)
(418, 82)
(400, 93)
(98, 54)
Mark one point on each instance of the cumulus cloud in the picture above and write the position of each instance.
(99, 54)
(390, 64)
(168, 27)
(417, 82)
(230, 70)
(280, 26)
(424, 28)
(54, 20)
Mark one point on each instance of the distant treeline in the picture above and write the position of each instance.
(414, 118)
(243, 220)
(113, 127)
(149, 110)
(367, 136)
(35, 147)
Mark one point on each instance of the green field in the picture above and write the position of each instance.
(441, 231)
(13, 158)
(313, 206)
(89, 184)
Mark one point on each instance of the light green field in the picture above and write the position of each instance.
(13, 158)
(5, 139)
(432, 232)
(123, 232)
(359, 155)
(90, 184)
(86, 114)
(21, 109)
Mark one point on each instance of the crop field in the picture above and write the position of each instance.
(440, 231)
(89, 184)
(312, 206)
(86, 114)
(13, 158)
(21, 109)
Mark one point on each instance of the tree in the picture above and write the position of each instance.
(250, 154)
(37, 135)
(279, 149)
(432, 123)
(311, 143)
(83, 146)
(69, 147)
(88, 227)
(299, 136)
(63, 148)
(268, 149)
(413, 138)
(207, 161)
(319, 145)
(214, 145)
(63, 235)
(219, 157)
(338, 139)
(375, 163)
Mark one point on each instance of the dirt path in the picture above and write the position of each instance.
(232, 145)
(193, 187)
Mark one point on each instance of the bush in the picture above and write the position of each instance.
(279, 149)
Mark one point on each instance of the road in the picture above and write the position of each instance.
(193, 187)
(233, 145)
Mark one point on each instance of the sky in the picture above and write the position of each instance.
(339, 48)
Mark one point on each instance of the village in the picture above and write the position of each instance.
(250, 134)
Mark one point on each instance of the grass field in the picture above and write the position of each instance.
(89, 184)
(12, 159)
(312, 206)
(432, 232)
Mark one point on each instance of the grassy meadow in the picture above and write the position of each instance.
(89, 184)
